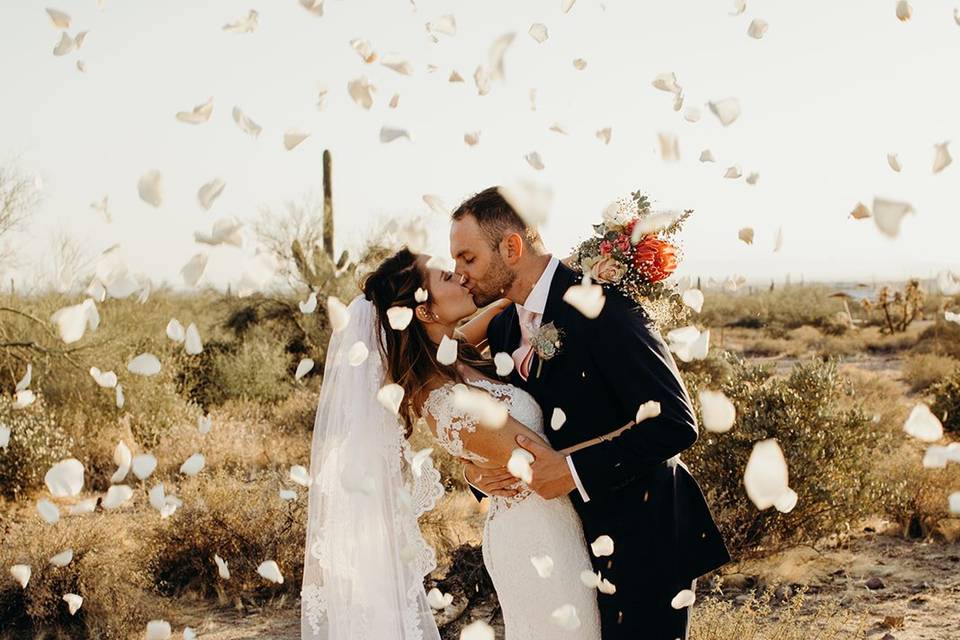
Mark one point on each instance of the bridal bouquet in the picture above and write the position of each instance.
(631, 250)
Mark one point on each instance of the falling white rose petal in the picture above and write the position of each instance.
(145, 364)
(534, 160)
(472, 138)
(21, 573)
(667, 82)
(477, 630)
(143, 465)
(116, 495)
(557, 418)
(294, 137)
(303, 368)
(48, 511)
(24, 382)
(390, 396)
(438, 600)
(602, 546)
(948, 283)
(566, 617)
(683, 599)
(83, 507)
(246, 24)
(949, 316)
(604, 135)
(717, 411)
(669, 146)
(538, 31)
(543, 564)
(59, 19)
(119, 396)
(122, 458)
(447, 351)
(693, 298)
(757, 28)
(287, 495)
(531, 201)
(198, 115)
(309, 305)
(504, 363)
(888, 215)
(778, 240)
(204, 424)
(904, 10)
(399, 317)
(707, 156)
(489, 412)
(953, 500)
(388, 134)
(786, 502)
(746, 235)
(361, 92)
(766, 477)
(647, 410)
(586, 298)
(732, 173)
(421, 295)
(65, 478)
(357, 354)
(726, 110)
(192, 344)
(397, 63)
(65, 45)
(63, 558)
(73, 602)
(739, 6)
(193, 465)
(270, 571)
(894, 162)
(245, 123)
(923, 425)
(300, 475)
(941, 158)
(150, 188)
(193, 270)
(175, 330)
(158, 630)
(519, 465)
(223, 570)
(579, 64)
(4, 436)
(445, 24)
(314, 7)
(209, 192)
(753, 178)
(23, 399)
(338, 313)
(589, 579)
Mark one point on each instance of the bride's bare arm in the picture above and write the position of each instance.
(475, 330)
(496, 445)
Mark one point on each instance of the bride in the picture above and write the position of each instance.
(365, 559)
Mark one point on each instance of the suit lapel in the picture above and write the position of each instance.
(563, 278)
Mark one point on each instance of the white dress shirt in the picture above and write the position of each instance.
(535, 304)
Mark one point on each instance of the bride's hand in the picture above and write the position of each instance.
(492, 482)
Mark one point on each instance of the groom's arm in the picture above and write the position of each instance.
(637, 365)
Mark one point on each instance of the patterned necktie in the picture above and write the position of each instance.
(523, 355)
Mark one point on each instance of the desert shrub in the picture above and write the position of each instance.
(762, 616)
(36, 443)
(828, 451)
(257, 370)
(296, 413)
(941, 337)
(922, 370)
(106, 571)
(789, 307)
(245, 523)
(946, 401)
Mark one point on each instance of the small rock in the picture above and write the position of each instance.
(888, 636)
(875, 583)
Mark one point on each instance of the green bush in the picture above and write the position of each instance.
(828, 450)
(923, 370)
(259, 369)
(946, 402)
(36, 443)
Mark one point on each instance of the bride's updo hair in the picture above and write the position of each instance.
(409, 355)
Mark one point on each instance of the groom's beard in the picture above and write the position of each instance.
(499, 280)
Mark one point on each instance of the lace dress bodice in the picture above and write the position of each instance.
(451, 421)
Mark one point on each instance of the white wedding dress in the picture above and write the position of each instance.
(523, 527)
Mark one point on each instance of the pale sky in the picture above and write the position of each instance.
(830, 90)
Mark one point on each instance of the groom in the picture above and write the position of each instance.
(633, 488)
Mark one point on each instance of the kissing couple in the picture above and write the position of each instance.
(596, 529)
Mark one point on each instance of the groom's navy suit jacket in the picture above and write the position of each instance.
(640, 494)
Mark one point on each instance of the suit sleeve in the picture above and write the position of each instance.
(636, 363)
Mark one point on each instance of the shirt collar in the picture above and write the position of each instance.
(536, 300)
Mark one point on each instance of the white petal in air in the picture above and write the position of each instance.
(399, 317)
(543, 564)
(309, 305)
(534, 160)
(150, 188)
(923, 425)
(604, 135)
(388, 134)
(4, 436)
(472, 138)
(193, 465)
(590, 579)
(270, 571)
(116, 495)
(953, 500)
(667, 82)
(361, 92)
(294, 137)
(566, 617)
(204, 424)
(145, 364)
(209, 192)
(143, 465)
(894, 162)
(732, 173)
(683, 599)
(766, 477)
(357, 354)
(247, 24)
(192, 344)
(888, 214)
(602, 546)
(904, 10)
(717, 412)
(447, 351)
(300, 475)
(337, 313)
(504, 363)
(223, 569)
(647, 410)
(364, 49)
(707, 156)
(198, 115)
(739, 6)
(480, 630)
(753, 178)
(949, 316)
(397, 63)
(519, 465)
(693, 298)
(421, 295)
(726, 110)
(303, 368)
(786, 502)
(445, 24)
(669, 146)
(557, 418)
(23, 399)
(245, 123)
(538, 32)
(948, 283)
(757, 28)
(21, 573)
(59, 19)
(746, 235)
(531, 201)
(65, 45)
(579, 64)
(63, 558)
(390, 396)
(421, 458)
(587, 298)
(941, 158)
(489, 412)
(438, 600)
(48, 511)
(65, 478)
(175, 330)
(692, 114)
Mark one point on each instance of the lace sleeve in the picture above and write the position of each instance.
(450, 421)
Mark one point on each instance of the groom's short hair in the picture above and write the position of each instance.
(497, 218)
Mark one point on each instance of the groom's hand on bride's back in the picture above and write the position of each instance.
(492, 482)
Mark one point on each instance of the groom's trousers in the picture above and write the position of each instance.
(649, 616)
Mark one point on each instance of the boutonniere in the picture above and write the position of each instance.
(546, 342)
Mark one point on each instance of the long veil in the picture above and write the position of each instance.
(365, 558)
